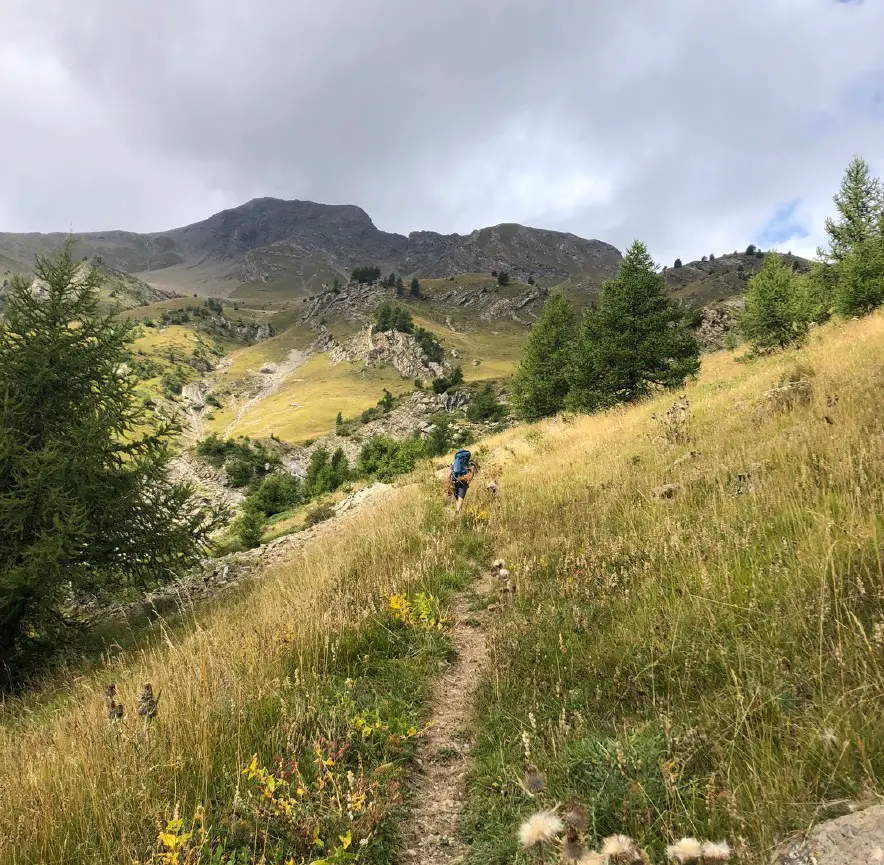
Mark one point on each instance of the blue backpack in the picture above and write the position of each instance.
(461, 464)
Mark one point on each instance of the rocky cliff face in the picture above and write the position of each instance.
(400, 350)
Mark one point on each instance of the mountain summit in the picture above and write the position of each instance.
(306, 244)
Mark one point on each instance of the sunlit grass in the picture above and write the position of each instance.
(306, 405)
(711, 664)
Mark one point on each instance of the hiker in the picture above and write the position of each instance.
(463, 469)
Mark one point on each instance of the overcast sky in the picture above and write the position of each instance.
(697, 125)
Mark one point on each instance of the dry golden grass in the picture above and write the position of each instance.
(233, 680)
(708, 664)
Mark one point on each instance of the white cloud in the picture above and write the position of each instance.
(686, 123)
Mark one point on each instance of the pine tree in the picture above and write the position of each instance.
(634, 341)
(249, 526)
(860, 287)
(677, 263)
(87, 503)
(415, 288)
(541, 381)
(778, 306)
(860, 204)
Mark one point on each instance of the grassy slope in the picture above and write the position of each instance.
(311, 397)
(309, 658)
(710, 665)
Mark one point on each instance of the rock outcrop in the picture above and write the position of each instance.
(402, 350)
(855, 839)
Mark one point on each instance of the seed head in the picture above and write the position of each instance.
(540, 828)
(716, 851)
(572, 848)
(686, 850)
(533, 780)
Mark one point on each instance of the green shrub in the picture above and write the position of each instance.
(384, 458)
(449, 382)
(277, 493)
(319, 514)
(429, 345)
(485, 405)
(249, 526)
(326, 473)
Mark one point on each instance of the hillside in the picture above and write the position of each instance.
(303, 245)
(684, 639)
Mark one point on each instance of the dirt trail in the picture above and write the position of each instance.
(444, 755)
(272, 383)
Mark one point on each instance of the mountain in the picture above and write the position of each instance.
(299, 245)
(700, 283)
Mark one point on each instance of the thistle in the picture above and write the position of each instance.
(716, 851)
(685, 851)
(533, 780)
(540, 828)
(575, 816)
(572, 847)
(147, 702)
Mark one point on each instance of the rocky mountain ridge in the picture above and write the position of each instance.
(303, 241)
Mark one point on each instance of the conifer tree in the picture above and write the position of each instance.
(860, 205)
(634, 341)
(778, 306)
(541, 381)
(860, 287)
(415, 288)
(87, 503)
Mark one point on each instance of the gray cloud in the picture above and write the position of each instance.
(689, 123)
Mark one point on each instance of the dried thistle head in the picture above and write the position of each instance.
(575, 816)
(716, 851)
(147, 702)
(114, 710)
(533, 781)
(621, 849)
(540, 828)
(110, 692)
(572, 847)
(685, 851)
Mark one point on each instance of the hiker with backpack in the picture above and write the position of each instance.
(463, 470)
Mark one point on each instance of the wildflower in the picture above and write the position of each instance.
(540, 828)
(572, 848)
(684, 851)
(716, 851)
(575, 816)
(147, 702)
(620, 848)
(533, 780)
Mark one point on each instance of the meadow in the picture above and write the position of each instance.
(690, 641)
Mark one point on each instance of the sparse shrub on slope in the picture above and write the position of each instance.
(87, 504)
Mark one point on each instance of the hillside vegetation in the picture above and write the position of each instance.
(691, 643)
